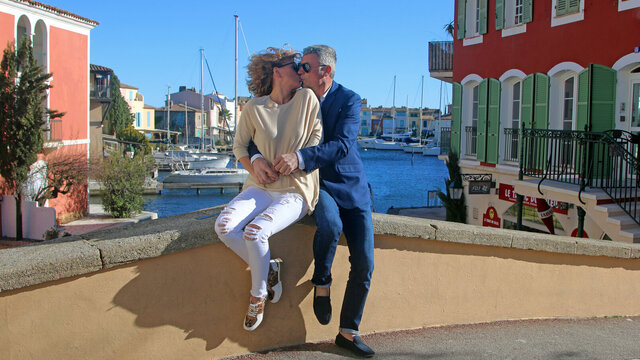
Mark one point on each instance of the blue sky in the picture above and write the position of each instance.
(155, 44)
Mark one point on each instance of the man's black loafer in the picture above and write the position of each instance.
(357, 346)
(322, 308)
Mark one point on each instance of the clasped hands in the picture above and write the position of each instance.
(283, 165)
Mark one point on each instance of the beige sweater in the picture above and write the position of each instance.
(281, 129)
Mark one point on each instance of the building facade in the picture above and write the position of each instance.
(539, 87)
(143, 114)
(61, 44)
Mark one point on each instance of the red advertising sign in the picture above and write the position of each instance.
(507, 193)
(490, 218)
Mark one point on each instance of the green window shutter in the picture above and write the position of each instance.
(526, 104)
(462, 8)
(484, 8)
(493, 121)
(573, 6)
(499, 14)
(481, 138)
(582, 121)
(541, 101)
(561, 7)
(603, 98)
(456, 117)
(527, 11)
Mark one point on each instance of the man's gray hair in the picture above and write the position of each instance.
(326, 56)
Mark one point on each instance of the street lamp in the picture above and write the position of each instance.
(455, 190)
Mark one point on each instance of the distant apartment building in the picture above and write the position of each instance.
(186, 125)
(215, 127)
(101, 100)
(61, 45)
(380, 120)
(143, 114)
(549, 89)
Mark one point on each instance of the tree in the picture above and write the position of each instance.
(119, 115)
(123, 178)
(456, 209)
(23, 91)
(62, 173)
(135, 139)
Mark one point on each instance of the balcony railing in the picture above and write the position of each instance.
(101, 92)
(511, 144)
(471, 137)
(445, 140)
(607, 160)
(440, 56)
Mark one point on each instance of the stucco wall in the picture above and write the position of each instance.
(187, 297)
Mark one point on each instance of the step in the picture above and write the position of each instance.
(631, 235)
(624, 221)
(610, 209)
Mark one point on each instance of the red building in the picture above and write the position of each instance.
(61, 44)
(539, 87)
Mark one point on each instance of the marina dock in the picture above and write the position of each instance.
(199, 186)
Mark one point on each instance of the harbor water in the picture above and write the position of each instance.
(397, 179)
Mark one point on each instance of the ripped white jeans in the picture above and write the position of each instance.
(247, 222)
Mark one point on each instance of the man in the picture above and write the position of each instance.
(344, 203)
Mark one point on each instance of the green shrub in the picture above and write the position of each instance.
(122, 180)
(130, 134)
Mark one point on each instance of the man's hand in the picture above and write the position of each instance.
(264, 172)
(286, 164)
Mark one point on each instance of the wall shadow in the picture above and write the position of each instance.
(205, 292)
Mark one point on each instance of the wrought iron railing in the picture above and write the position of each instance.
(511, 144)
(445, 140)
(471, 137)
(607, 161)
(440, 56)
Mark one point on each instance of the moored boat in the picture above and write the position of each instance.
(213, 176)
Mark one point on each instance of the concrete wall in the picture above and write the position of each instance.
(168, 289)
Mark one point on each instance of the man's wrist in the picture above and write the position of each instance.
(256, 156)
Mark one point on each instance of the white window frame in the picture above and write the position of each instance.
(574, 102)
(628, 4)
(566, 19)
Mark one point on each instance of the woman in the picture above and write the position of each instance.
(280, 119)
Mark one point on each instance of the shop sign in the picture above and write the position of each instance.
(507, 193)
(479, 187)
(490, 218)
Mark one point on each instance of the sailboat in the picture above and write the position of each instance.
(433, 146)
(392, 144)
(210, 176)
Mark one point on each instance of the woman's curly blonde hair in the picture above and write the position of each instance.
(260, 74)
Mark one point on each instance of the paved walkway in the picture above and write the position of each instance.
(601, 338)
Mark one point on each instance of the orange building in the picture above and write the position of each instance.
(61, 45)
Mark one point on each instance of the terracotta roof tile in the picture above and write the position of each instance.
(58, 11)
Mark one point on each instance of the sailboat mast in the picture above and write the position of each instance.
(393, 112)
(168, 114)
(186, 123)
(235, 103)
(420, 116)
(201, 101)
(439, 114)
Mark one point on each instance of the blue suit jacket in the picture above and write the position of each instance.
(341, 170)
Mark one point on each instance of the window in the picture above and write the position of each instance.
(512, 15)
(566, 11)
(565, 7)
(148, 118)
(474, 108)
(515, 108)
(567, 104)
(130, 95)
(517, 19)
(628, 4)
(472, 20)
(137, 119)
